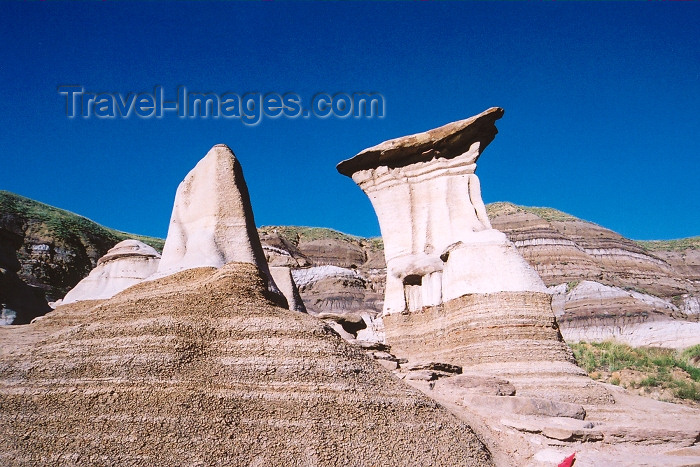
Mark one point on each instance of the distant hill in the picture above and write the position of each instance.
(56, 248)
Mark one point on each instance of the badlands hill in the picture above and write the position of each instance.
(204, 368)
(605, 284)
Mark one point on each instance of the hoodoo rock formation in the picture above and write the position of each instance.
(205, 367)
(438, 241)
(457, 290)
(461, 300)
(212, 221)
(127, 263)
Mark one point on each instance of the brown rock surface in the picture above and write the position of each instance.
(19, 302)
(563, 248)
(480, 329)
(334, 272)
(448, 141)
(201, 368)
(538, 431)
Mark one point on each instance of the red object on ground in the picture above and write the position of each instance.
(568, 462)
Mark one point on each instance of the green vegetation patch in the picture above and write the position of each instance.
(548, 214)
(64, 225)
(690, 243)
(295, 234)
(659, 366)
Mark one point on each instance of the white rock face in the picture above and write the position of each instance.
(126, 264)
(212, 221)
(284, 280)
(305, 276)
(374, 332)
(647, 322)
(438, 241)
(690, 305)
(674, 334)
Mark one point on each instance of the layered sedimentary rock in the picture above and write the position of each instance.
(333, 289)
(335, 273)
(563, 248)
(127, 263)
(684, 261)
(480, 329)
(457, 290)
(203, 368)
(212, 221)
(19, 302)
(606, 286)
(594, 312)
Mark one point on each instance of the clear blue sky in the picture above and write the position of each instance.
(602, 103)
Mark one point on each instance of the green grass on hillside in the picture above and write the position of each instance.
(503, 208)
(658, 365)
(65, 225)
(548, 214)
(295, 234)
(690, 243)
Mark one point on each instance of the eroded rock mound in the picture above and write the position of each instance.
(127, 263)
(201, 368)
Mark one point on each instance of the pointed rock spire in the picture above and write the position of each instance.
(212, 221)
